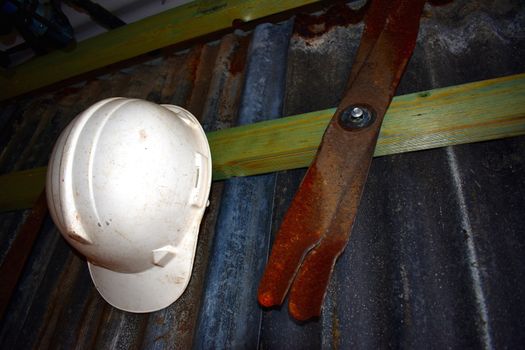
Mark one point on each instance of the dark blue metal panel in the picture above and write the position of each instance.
(401, 281)
(492, 187)
(230, 316)
(48, 257)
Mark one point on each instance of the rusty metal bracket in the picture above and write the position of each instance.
(317, 226)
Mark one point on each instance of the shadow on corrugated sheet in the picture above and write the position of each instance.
(436, 255)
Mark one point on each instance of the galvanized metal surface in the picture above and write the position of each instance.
(242, 233)
(435, 258)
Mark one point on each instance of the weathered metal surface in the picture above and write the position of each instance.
(241, 239)
(15, 259)
(317, 226)
(436, 248)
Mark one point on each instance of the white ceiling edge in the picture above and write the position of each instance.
(127, 10)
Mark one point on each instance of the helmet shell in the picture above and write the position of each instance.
(127, 185)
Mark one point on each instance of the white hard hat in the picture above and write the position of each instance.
(127, 185)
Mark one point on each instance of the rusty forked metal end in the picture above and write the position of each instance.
(276, 281)
(278, 276)
(299, 313)
(300, 231)
(311, 283)
(267, 299)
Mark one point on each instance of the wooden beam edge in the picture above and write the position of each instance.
(174, 26)
(466, 113)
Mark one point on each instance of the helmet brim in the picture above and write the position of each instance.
(147, 291)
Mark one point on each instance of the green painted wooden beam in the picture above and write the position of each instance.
(473, 112)
(174, 26)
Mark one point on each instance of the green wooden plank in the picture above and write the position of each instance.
(473, 112)
(174, 26)
(466, 113)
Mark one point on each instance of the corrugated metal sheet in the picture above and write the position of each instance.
(436, 255)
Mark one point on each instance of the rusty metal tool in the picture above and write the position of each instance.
(317, 226)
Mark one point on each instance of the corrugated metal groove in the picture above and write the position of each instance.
(436, 255)
(471, 254)
(240, 229)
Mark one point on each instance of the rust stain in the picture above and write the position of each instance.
(196, 102)
(238, 61)
(193, 62)
(143, 135)
(336, 331)
(338, 15)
